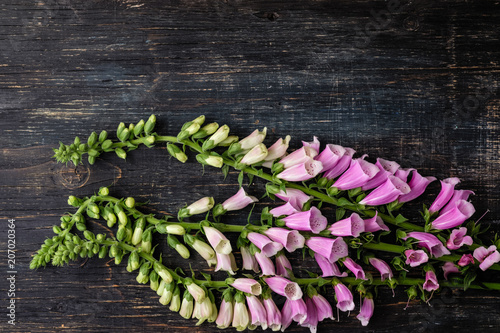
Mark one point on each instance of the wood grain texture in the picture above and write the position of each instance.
(412, 81)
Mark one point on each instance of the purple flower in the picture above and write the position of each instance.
(299, 156)
(403, 173)
(332, 249)
(455, 216)
(457, 196)
(356, 269)
(218, 241)
(448, 268)
(290, 239)
(312, 316)
(323, 307)
(330, 156)
(415, 258)
(273, 314)
(486, 256)
(359, 172)
(238, 201)
(458, 238)
(344, 298)
(310, 220)
(382, 267)
(465, 260)
(278, 149)
(387, 168)
(430, 242)
(447, 187)
(295, 197)
(375, 223)
(286, 209)
(417, 184)
(328, 268)
(295, 310)
(284, 287)
(225, 316)
(431, 282)
(314, 144)
(302, 171)
(267, 246)
(266, 264)
(249, 286)
(249, 262)
(389, 191)
(258, 316)
(226, 262)
(341, 166)
(282, 264)
(366, 311)
(351, 226)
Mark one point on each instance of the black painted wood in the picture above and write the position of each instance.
(413, 81)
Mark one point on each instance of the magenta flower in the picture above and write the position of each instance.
(290, 239)
(447, 188)
(455, 216)
(366, 311)
(295, 197)
(375, 223)
(267, 246)
(458, 238)
(278, 149)
(226, 262)
(273, 314)
(314, 144)
(417, 184)
(238, 201)
(249, 286)
(312, 316)
(299, 156)
(344, 298)
(457, 196)
(218, 241)
(356, 269)
(284, 287)
(258, 315)
(302, 171)
(332, 249)
(415, 258)
(351, 226)
(389, 191)
(448, 268)
(249, 262)
(431, 282)
(403, 173)
(430, 242)
(330, 156)
(386, 169)
(486, 256)
(295, 310)
(323, 307)
(382, 267)
(328, 268)
(359, 172)
(310, 220)
(266, 264)
(341, 166)
(282, 264)
(465, 260)
(286, 209)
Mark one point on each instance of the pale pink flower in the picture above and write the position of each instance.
(359, 172)
(255, 138)
(341, 165)
(328, 268)
(314, 144)
(217, 240)
(249, 262)
(382, 267)
(310, 220)
(387, 192)
(278, 149)
(415, 258)
(295, 310)
(267, 246)
(486, 256)
(323, 307)
(226, 262)
(332, 249)
(351, 226)
(403, 173)
(286, 209)
(330, 156)
(295, 197)
(447, 188)
(290, 239)
(266, 264)
(284, 287)
(448, 268)
(238, 201)
(465, 260)
(458, 238)
(430, 242)
(375, 223)
(299, 156)
(455, 216)
(344, 298)
(255, 155)
(312, 316)
(241, 317)
(246, 285)
(273, 314)
(258, 315)
(366, 311)
(431, 282)
(225, 316)
(356, 269)
(282, 264)
(457, 196)
(387, 168)
(301, 172)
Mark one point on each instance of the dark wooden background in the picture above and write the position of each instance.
(412, 81)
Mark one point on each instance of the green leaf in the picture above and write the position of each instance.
(400, 219)
(322, 282)
(207, 277)
(343, 202)
(240, 178)
(339, 213)
(311, 274)
(250, 178)
(469, 278)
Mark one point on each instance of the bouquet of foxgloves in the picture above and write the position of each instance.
(361, 244)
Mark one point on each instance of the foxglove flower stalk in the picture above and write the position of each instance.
(282, 264)
(449, 268)
(447, 188)
(295, 197)
(225, 316)
(266, 264)
(278, 149)
(226, 262)
(359, 172)
(366, 311)
(249, 286)
(417, 184)
(375, 223)
(430, 242)
(332, 249)
(458, 238)
(486, 256)
(249, 262)
(342, 164)
(465, 260)
(351, 226)
(258, 315)
(312, 316)
(457, 196)
(382, 267)
(455, 216)
(198, 207)
(217, 240)
(295, 310)
(310, 220)
(273, 313)
(290, 239)
(284, 287)
(386, 169)
(328, 268)
(302, 171)
(431, 282)
(255, 155)
(356, 269)
(238, 201)
(241, 319)
(299, 156)
(286, 209)
(389, 191)
(344, 297)
(416, 258)
(267, 246)
(330, 156)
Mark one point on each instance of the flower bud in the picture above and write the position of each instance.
(103, 252)
(163, 272)
(88, 235)
(139, 228)
(154, 282)
(134, 261)
(187, 305)
(121, 233)
(113, 250)
(150, 124)
(120, 129)
(121, 153)
(81, 226)
(111, 220)
(228, 141)
(74, 201)
(149, 141)
(130, 202)
(195, 290)
(176, 152)
(188, 131)
(104, 191)
(255, 155)
(161, 288)
(175, 229)
(215, 161)
(206, 130)
(201, 247)
(93, 208)
(83, 147)
(106, 145)
(91, 160)
(198, 207)
(103, 136)
(219, 136)
(56, 229)
(139, 127)
(92, 139)
(167, 294)
(147, 238)
(175, 244)
(175, 303)
(122, 218)
(118, 257)
(124, 135)
(143, 276)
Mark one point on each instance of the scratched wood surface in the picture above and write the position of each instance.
(412, 81)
